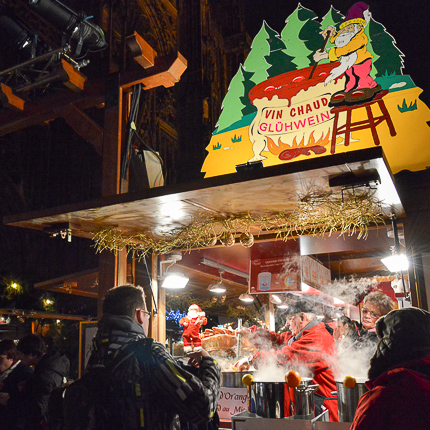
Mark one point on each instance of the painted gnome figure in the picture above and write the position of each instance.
(192, 323)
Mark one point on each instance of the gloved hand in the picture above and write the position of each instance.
(259, 358)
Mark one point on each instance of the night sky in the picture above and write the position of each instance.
(407, 21)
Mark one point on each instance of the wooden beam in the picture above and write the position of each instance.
(141, 51)
(166, 72)
(9, 99)
(83, 125)
(75, 80)
(47, 109)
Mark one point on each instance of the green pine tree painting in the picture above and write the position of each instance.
(278, 60)
(232, 105)
(333, 18)
(247, 85)
(388, 59)
(301, 36)
(260, 48)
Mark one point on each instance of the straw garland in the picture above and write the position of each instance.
(314, 215)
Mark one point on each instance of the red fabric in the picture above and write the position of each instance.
(284, 337)
(316, 350)
(397, 400)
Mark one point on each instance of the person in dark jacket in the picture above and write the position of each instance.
(399, 374)
(13, 375)
(347, 329)
(51, 369)
(169, 393)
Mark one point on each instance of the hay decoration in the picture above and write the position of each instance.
(315, 214)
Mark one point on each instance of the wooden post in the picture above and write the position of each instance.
(158, 323)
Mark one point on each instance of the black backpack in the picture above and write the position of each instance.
(112, 396)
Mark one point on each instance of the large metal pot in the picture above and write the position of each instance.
(304, 399)
(272, 399)
(347, 399)
(233, 379)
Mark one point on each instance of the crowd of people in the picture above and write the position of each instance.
(152, 390)
(169, 394)
(313, 346)
(28, 374)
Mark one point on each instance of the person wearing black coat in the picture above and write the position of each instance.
(51, 369)
(13, 374)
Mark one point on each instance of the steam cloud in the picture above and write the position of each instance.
(351, 290)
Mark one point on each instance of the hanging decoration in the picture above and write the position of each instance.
(316, 214)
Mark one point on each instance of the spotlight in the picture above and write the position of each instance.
(13, 34)
(75, 25)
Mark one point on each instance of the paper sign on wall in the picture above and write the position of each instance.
(274, 275)
(232, 401)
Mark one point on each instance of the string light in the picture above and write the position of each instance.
(175, 315)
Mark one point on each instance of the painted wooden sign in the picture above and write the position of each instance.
(318, 88)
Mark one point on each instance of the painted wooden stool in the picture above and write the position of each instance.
(371, 122)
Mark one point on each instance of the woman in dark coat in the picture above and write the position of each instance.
(399, 374)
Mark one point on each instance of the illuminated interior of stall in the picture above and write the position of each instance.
(332, 272)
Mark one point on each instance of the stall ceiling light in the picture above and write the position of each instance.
(175, 281)
(217, 288)
(282, 306)
(246, 298)
(396, 263)
(274, 298)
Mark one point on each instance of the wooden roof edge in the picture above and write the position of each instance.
(26, 313)
(216, 181)
(68, 277)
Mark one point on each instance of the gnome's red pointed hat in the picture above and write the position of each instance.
(355, 15)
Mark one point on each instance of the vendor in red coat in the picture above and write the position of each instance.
(311, 346)
(192, 323)
(399, 374)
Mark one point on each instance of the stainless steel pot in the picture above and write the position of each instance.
(304, 399)
(347, 400)
(272, 399)
(233, 379)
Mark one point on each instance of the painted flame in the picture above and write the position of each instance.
(276, 149)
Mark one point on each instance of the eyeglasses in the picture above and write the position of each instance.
(145, 312)
(364, 311)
